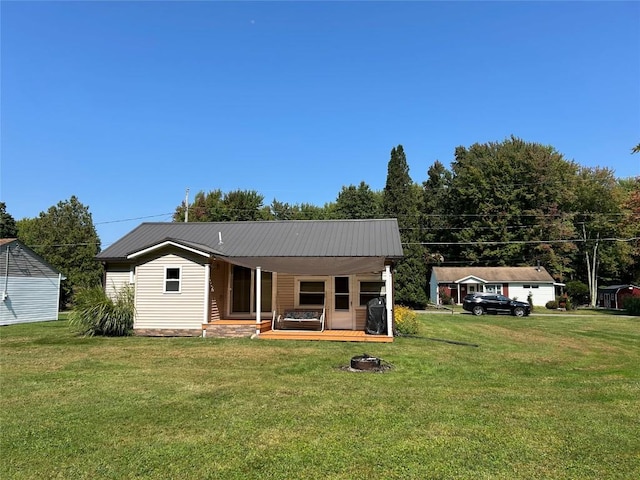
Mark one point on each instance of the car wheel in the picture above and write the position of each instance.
(477, 310)
(518, 312)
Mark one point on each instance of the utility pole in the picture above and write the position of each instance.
(186, 207)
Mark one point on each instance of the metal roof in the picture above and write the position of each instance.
(294, 238)
(493, 274)
(23, 261)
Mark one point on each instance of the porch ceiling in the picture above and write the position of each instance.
(312, 265)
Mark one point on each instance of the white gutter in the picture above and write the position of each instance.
(58, 296)
(6, 278)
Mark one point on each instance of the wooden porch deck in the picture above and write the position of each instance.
(327, 335)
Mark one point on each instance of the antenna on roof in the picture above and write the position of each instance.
(186, 207)
(219, 238)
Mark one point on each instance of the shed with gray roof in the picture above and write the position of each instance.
(29, 286)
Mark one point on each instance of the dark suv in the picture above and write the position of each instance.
(479, 303)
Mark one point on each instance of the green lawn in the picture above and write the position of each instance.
(540, 397)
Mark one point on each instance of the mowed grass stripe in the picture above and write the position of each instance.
(540, 397)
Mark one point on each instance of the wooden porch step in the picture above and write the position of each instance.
(327, 335)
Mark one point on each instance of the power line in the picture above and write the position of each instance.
(131, 219)
(514, 242)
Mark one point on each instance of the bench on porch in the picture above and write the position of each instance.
(299, 319)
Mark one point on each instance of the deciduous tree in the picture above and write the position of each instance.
(358, 202)
(65, 237)
(509, 204)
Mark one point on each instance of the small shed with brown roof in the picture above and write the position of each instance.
(451, 284)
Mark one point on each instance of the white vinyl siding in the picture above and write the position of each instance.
(156, 309)
(117, 277)
(29, 299)
(542, 294)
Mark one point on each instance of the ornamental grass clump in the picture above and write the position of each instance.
(95, 313)
(406, 321)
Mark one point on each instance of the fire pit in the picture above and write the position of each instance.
(367, 363)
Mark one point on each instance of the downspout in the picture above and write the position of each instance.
(58, 296)
(258, 298)
(388, 289)
(6, 278)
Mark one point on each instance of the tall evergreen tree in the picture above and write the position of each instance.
(65, 237)
(401, 200)
(7, 223)
(434, 216)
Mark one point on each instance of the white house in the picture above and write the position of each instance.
(513, 282)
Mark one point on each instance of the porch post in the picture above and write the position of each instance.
(207, 299)
(258, 298)
(388, 288)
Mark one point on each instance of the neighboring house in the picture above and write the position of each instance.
(513, 282)
(29, 286)
(613, 296)
(207, 278)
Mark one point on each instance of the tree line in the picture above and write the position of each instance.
(509, 203)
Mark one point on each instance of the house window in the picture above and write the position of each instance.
(493, 289)
(311, 293)
(370, 290)
(526, 286)
(244, 289)
(535, 286)
(172, 280)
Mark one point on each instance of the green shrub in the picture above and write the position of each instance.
(551, 305)
(632, 305)
(97, 314)
(406, 321)
(578, 292)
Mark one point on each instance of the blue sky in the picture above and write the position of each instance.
(127, 104)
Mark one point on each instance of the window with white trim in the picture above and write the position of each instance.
(172, 276)
(493, 289)
(311, 293)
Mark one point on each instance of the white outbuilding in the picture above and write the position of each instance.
(29, 286)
